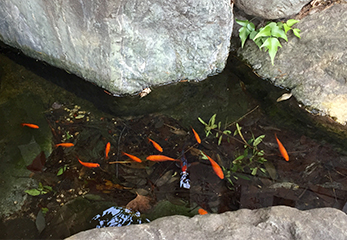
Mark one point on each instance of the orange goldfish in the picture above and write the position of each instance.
(136, 159)
(282, 149)
(107, 149)
(196, 135)
(202, 211)
(217, 169)
(160, 158)
(67, 145)
(89, 165)
(30, 125)
(156, 145)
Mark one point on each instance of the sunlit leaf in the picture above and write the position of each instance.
(296, 32)
(272, 44)
(286, 28)
(254, 171)
(263, 32)
(278, 32)
(291, 22)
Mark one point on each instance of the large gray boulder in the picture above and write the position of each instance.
(123, 46)
(314, 67)
(271, 9)
(278, 222)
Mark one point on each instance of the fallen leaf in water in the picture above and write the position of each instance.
(270, 168)
(109, 186)
(38, 163)
(140, 203)
(285, 96)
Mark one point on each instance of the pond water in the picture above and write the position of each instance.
(47, 193)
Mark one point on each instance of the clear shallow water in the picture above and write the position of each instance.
(314, 176)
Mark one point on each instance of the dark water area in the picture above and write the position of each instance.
(56, 196)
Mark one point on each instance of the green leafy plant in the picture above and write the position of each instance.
(40, 190)
(250, 160)
(267, 37)
(62, 170)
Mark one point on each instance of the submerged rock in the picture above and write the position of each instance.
(278, 222)
(123, 46)
(314, 67)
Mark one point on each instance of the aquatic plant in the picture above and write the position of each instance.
(252, 158)
(40, 190)
(268, 36)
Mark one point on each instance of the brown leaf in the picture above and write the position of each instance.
(140, 203)
(38, 163)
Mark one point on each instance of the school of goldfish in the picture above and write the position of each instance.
(184, 181)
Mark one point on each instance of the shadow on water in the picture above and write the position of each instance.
(72, 198)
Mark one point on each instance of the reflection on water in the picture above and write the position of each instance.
(117, 217)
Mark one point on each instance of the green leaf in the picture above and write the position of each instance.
(202, 121)
(238, 159)
(252, 35)
(254, 171)
(286, 28)
(243, 34)
(227, 132)
(291, 22)
(49, 188)
(44, 210)
(220, 140)
(33, 192)
(258, 140)
(243, 23)
(61, 171)
(263, 170)
(296, 32)
(263, 32)
(272, 44)
(278, 32)
(259, 42)
(212, 120)
(250, 27)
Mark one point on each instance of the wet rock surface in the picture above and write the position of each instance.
(123, 46)
(269, 223)
(314, 67)
(272, 9)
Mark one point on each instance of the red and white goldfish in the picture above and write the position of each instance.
(89, 165)
(67, 145)
(107, 149)
(196, 135)
(132, 157)
(217, 169)
(160, 158)
(283, 151)
(30, 125)
(156, 145)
